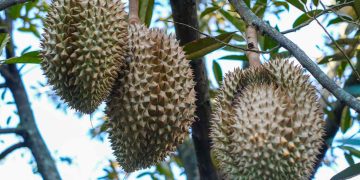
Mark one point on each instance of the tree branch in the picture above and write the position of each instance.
(325, 11)
(333, 123)
(186, 153)
(298, 53)
(3, 85)
(45, 163)
(11, 149)
(338, 47)
(13, 130)
(222, 42)
(5, 73)
(8, 3)
(184, 11)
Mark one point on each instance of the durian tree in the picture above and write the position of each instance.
(267, 120)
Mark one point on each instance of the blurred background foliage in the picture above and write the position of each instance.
(223, 32)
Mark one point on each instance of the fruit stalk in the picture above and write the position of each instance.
(252, 43)
(134, 12)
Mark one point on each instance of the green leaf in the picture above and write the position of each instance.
(4, 39)
(305, 17)
(146, 8)
(341, 68)
(165, 170)
(144, 174)
(348, 173)
(349, 158)
(247, 2)
(334, 21)
(316, 2)
(31, 57)
(234, 20)
(25, 50)
(337, 20)
(346, 120)
(15, 11)
(235, 57)
(353, 90)
(260, 7)
(233, 49)
(352, 141)
(352, 150)
(208, 11)
(269, 43)
(357, 7)
(217, 72)
(283, 54)
(236, 37)
(281, 3)
(297, 4)
(203, 46)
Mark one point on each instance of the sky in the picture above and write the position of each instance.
(66, 135)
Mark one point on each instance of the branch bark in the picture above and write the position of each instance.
(11, 149)
(45, 163)
(185, 12)
(13, 130)
(187, 155)
(8, 3)
(250, 18)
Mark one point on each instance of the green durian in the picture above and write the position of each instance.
(83, 50)
(151, 110)
(267, 123)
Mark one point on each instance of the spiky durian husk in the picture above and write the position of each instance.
(151, 112)
(267, 123)
(84, 47)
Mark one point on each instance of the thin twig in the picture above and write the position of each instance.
(12, 130)
(3, 85)
(341, 17)
(11, 149)
(249, 17)
(8, 3)
(331, 9)
(222, 42)
(337, 46)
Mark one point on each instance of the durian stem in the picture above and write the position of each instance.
(252, 43)
(134, 11)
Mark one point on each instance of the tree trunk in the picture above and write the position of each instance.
(184, 11)
(33, 140)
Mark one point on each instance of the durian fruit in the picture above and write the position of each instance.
(267, 123)
(84, 48)
(152, 109)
